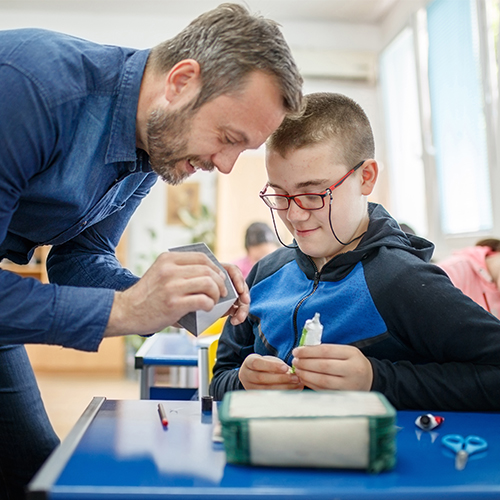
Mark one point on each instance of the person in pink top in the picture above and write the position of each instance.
(476, 271)
(259, 242)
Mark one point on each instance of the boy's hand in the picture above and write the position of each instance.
(239, 310)
(333, 367)
(267, 372)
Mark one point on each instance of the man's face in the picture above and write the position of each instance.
(168, 144)
(181, 141)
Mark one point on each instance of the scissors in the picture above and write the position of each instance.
(463, 447)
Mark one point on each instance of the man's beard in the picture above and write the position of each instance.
(168, 143)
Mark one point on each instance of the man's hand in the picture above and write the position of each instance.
(177, 283)
(239, 310)
(334, 367)
(267, 372)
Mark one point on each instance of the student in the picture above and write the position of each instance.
(259, 242)
(85, 131)
(476, 271)
(392, 322)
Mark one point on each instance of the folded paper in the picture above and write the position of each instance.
(198, 321)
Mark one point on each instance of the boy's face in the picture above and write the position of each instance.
(313, 170)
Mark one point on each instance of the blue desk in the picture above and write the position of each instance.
(165, 349)
(119, 450)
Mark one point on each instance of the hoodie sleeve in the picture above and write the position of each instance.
(454, 344)
(235, 344)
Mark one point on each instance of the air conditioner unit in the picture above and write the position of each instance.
(337, 64)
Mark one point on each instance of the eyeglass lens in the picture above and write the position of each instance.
(304, 201)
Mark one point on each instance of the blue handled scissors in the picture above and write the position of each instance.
(463, 447)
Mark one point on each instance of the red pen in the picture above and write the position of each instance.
(163, 415)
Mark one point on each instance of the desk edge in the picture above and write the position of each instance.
(139, 355)
(45, 478)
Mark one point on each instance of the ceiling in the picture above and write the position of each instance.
(351, 11)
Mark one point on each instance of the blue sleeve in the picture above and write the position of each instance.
(89, 259)
(36, 313)
(235, 344)
(27, 138)
(32, 312)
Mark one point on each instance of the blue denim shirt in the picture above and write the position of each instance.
(71, 177)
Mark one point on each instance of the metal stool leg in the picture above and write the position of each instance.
(203, 368)
(145, 381)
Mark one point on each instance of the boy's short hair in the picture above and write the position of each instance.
(229, 43)
(327, 117)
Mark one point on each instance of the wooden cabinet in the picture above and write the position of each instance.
(110, 359)
(35, 269)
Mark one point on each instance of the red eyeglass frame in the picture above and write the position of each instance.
(326, 192)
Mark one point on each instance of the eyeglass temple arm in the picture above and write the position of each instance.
(353, 169)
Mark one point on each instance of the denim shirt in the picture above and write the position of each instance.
(70, 177)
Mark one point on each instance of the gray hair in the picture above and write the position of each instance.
(229, 44)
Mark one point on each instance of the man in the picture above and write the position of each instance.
(85, 130)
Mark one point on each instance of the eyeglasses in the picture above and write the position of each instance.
(306, 201)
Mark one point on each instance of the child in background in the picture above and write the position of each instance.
(259, 242)
(476, 271)
(392, 322)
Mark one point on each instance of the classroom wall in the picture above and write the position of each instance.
(145, 23)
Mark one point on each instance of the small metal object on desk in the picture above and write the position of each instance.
(206, 404)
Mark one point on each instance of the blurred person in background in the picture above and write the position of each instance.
(476, 271)
(260, 241)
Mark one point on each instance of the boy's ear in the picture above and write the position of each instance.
(183, 82)
(369, 175)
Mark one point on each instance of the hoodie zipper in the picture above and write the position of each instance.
(317, 275)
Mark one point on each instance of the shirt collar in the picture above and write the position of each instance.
(122, 139)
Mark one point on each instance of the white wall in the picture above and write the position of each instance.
(144, 23)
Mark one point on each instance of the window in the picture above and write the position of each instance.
(458, 120)
(440, 111)
(403, 132)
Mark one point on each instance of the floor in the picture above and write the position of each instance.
(67, 396)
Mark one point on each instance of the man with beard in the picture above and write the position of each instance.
(85, 130)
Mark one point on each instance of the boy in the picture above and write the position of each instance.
(393, 323)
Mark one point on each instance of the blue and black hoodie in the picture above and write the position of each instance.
(430, 346)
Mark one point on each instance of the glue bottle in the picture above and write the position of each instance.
(312, 332)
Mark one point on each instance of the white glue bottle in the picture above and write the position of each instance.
(312, 332)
